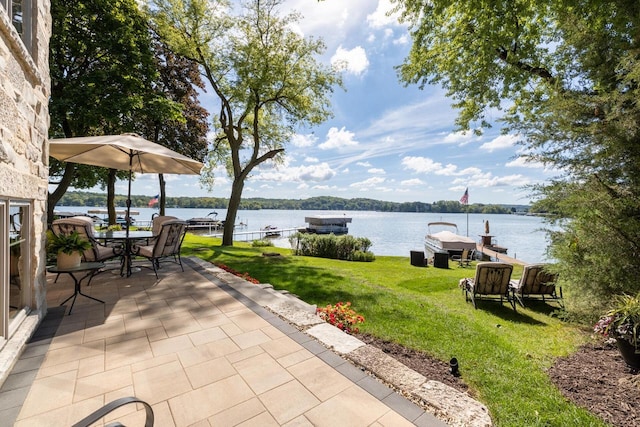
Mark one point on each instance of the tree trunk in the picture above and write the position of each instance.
(111, 196)
(232, 211)
(161, 202)
(61, 189)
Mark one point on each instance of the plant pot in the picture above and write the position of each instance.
(628, 352)
(66, 261)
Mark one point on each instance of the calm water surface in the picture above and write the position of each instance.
(391, 233)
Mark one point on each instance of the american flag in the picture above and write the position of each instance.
(465, 197)
(154, 200)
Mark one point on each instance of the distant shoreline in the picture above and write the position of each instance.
(79, 198)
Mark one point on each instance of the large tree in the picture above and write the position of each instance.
(101, 66)
(266, 78)
(567, 75)
(175, 118)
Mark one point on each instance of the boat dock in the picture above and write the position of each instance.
(248, 236)
(497, 256)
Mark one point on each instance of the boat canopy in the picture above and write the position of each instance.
(449, 240)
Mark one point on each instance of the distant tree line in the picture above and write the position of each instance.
(77, 198)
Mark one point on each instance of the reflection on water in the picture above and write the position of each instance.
(392, 233)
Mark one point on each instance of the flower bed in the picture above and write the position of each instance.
(341, 316)
(244, 275)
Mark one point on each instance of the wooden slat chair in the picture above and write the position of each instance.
(491, 282)
(166, 245)
(537, 283)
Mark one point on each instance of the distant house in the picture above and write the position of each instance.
(25, 29)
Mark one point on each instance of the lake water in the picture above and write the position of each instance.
(392, 233)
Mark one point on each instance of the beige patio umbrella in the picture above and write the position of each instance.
(128, 152)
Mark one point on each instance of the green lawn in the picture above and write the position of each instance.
(503, 355)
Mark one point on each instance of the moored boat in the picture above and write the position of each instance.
(205, 222)
(446, 240)
(326, 224)
(271, 231)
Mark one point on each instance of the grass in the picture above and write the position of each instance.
(503, 355)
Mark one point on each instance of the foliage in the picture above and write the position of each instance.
(503, 356)
(568, 73)
(175, 118)
(344, 247)
(110, 76)
(265, 75)
(261, 243)
(67, 243)
(342, 316)
(101, 64)
(76, 198)
(623, 320)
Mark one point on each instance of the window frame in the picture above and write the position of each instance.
(26, 35)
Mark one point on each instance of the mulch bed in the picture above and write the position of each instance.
(595, 378)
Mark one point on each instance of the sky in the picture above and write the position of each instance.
(386, 141)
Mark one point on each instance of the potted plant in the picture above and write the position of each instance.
(69, 249)
(622, 323)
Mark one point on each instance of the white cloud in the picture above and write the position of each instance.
(380, 18)
(412, 182)
(311, 159)
(500, 142)
(324, 187)
(421, 164)
(488, 180)
(427, 165)
(353, 61)
(364, 164)
(461, 138)
(338, 138)
(521, 162)
(377, 171)
(319, 172)
(402, 40)
(307, 140)
(368, 183)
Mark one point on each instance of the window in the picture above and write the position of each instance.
(19, 12)
(15, 268)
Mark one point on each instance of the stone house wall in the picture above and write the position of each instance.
(24, 123)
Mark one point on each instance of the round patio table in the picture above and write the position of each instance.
(85, 267)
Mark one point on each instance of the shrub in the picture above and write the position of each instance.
(341, 316)
(330, 246)
(261, 243)
(363, 256)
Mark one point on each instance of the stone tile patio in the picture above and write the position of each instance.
(198, 350)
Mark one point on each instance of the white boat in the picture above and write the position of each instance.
(446, 240)
(205, 223)
(271, 231)
(326, 224)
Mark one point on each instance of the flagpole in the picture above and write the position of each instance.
(465, 201)
(467, 219)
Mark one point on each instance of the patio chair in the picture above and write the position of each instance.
(165, 245)
(156, 223)
(491, 282)
(537, 282)
(465, 258)
(83, 225)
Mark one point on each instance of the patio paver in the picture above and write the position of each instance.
(198, 351)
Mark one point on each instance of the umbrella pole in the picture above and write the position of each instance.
(127, 242)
